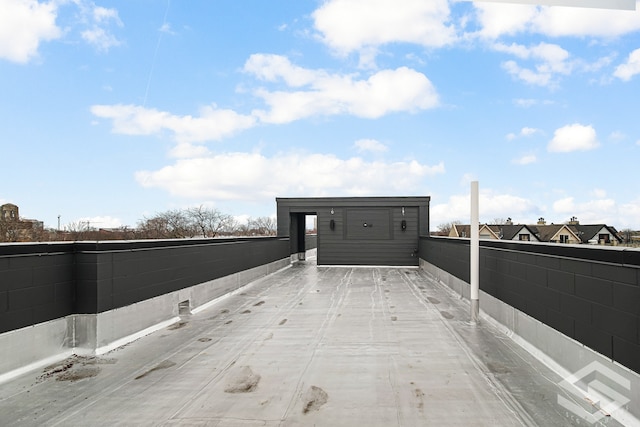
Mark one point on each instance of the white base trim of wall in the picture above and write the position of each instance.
(41, 345)
(560, 353)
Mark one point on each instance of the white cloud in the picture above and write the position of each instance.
(384, 92)
(583, 22)
(575, 137)
(326, 94)
(100, 38)
(355, 26)
(503, 19)
(98, 21)
(526, 159)
(528, 102)
(100, 222)
(24, 24)
(253, 176)
(273, 68)
(630, 68)
(599, 193)
(186, 150)
(498, 20)
(370, 145)
(524, 132)
(616, 136)
(211, 124)
(549, 60)
(597, 211)
(166, 28)
(491, 204)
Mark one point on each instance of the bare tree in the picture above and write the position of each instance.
(177, 224)
(9, 232)
(445, 228)
(171, 224)
(263, 226)
(78, 230)
(208, 222)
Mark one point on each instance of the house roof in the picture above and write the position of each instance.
(464, 230)
(590, 231)
(541, 232)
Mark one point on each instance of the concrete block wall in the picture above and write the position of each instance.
(37, 283)
(589, 294)
(46, 281)
(90, 297)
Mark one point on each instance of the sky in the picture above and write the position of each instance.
(113, 111)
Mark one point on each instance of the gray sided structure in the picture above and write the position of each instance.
(358, 230)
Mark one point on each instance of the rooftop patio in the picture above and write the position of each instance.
(308, 345)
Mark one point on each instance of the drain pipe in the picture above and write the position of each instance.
(475, 255)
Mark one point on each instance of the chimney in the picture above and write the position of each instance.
(541, 221)
(574, 221)
(509, 221)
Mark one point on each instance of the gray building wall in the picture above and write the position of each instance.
(590, 294)
(343, 238)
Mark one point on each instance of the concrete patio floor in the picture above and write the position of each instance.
(309, 346)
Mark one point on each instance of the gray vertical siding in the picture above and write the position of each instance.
(382, 242)
(348, 242)
(591, 294)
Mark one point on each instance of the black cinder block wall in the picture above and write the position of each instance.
(42, 282)
(37, 283)
(589, 293)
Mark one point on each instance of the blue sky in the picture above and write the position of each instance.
(113, 111)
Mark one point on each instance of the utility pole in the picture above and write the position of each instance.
(58, 222)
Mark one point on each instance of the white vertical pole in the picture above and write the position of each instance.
(474, 262)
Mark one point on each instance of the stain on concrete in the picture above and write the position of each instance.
(204, 339)
(166, 364)
(55, 369)
(497, 368)
(258, 304)
(224, 311)
(79, 373)
(228, 321)
(75, 368)
(282, 322)
(447, 315)
(246, 312)
(178, 325)
(394, 318)
(419, 394)
(314, 399)
(433, 300)
(244, 381)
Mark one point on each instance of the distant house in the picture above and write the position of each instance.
(573, 232)
(461, 230)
